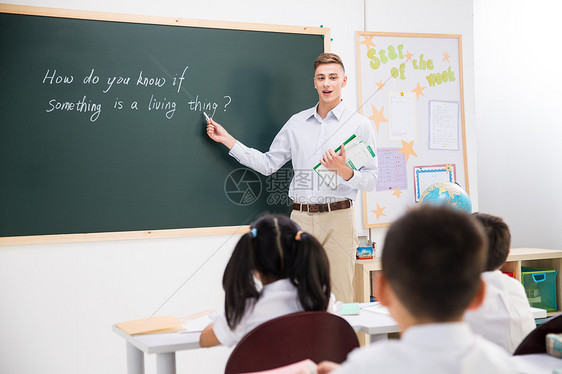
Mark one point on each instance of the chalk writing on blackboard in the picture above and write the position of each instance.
(158, 102)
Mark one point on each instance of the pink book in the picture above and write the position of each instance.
(307, 365)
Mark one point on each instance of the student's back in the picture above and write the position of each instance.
(277, 299)
(433, 349)
(290, 264)
(431, 265)
(505, 316)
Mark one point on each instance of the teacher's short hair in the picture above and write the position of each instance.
(328, 58)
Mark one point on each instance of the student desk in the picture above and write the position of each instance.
(376, 325)
(530, 257)
(165, 345)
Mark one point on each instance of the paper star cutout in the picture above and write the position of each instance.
(418, 90)
(379, 211)
(409, 56)
(446, 57)
(378, 116)
(402, 93)
(397, 192)
(368, 41)
(407, 149)
(380, 84)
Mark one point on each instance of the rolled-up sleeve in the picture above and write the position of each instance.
(269, 162)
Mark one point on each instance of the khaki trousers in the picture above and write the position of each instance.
(336, 230)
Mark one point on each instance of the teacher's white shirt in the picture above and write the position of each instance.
(304, 139)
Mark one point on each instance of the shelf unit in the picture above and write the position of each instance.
(528, 257)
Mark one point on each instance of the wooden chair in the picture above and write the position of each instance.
(291, 338)
(535, 341)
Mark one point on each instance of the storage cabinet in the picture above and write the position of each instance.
(536, 258)
(527, 257)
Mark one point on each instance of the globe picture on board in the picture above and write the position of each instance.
(447, 193)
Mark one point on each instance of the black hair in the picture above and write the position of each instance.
(274, 249)
(432, 259)
(499, 239)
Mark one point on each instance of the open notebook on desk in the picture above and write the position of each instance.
(166, 324)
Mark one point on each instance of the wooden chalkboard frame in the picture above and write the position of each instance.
(152, 20)
(364, 101)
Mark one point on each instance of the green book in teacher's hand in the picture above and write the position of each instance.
(358, 154)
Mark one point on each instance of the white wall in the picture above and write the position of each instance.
(518, 121)
(57, 302)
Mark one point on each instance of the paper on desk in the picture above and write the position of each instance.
(197, 325)
(377, 308)
(197, 322)
(151, 325)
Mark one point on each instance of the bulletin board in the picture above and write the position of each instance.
(411, 89)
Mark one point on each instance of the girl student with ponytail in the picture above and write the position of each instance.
(291, 265)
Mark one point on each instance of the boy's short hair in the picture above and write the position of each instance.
(432, 259)
(499, 239)
(328, 58)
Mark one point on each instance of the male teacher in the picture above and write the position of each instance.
(321, 208)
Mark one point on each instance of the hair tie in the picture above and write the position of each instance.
(298, 236)
(254, 232)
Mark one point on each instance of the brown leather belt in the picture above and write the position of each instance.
(320, 208)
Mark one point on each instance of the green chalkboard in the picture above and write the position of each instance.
(102, 130)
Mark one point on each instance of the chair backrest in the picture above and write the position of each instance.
(535, 341)
(291, 338)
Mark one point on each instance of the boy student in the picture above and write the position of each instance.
(431, 265)
(310, 137)
(505, 317)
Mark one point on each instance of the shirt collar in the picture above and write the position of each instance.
(438, 334)
(336, 112)
(279, 285)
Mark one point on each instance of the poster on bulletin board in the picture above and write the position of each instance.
(411, 89)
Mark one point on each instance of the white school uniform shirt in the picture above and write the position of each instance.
(439, 348)
(304, 139)
(505, 316)
(277, 299)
